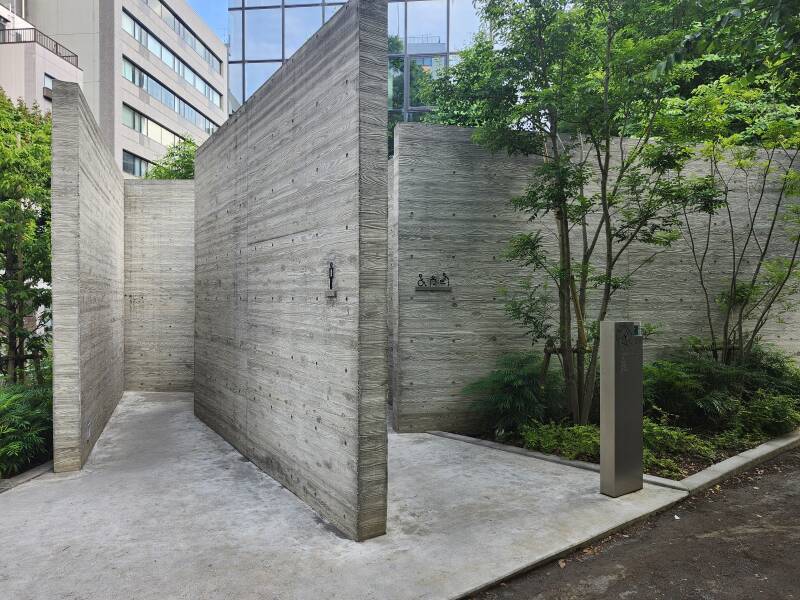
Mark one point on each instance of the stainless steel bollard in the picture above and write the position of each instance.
(621, 396)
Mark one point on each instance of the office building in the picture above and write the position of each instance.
(424, 37)
(31, 60)
(153, 71)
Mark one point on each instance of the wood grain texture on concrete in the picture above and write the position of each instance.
(450, 211)
(159, 285)
(296, 180)
(88, 279)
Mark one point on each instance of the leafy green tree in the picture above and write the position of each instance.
(24, 234)
(756, 37)
(749, 136)
(567, 81)
(178, 162)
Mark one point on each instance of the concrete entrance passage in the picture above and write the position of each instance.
(260, 287)
(165, 508)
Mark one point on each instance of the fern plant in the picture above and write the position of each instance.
(517, 392)
(26, 427)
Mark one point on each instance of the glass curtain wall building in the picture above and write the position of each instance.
(424, 37)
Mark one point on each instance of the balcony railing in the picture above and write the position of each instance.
(21, 36)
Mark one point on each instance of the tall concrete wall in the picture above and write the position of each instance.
(450, 209)
(88, 279)
(159, 285)
(295, 180)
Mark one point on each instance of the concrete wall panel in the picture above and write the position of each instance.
(450, 211)
(449, 207)
(88, 278)
(294, 180)
(159, 285)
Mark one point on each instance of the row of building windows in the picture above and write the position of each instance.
(261, 39)
(146, 126)
(163, 94)
(186, 34)
(134, 165)
(424, 37)
(273, 33)
(154, 45)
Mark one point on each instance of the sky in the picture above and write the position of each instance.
(215, 13)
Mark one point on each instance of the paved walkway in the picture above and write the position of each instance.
(166, 509)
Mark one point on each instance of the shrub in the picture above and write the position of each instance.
(671, 387)
(26, 427)
(770, 413)
(576, 442)
(695, 391)
(514, 393)
(663, 444)
(662, 439)
(662, 466)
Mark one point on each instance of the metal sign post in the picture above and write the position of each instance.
(621, 395)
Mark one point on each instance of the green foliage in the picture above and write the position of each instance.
(751, 37)
(697, 410)
(696, 391)
(667, 440)
(575, 442)
(26, 427)
(562, 80)
(665, 446)
(532, 307)
(516, 392)
(25, 135)
(178, 162)
(771, 414)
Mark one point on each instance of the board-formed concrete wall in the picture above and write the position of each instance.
(449, 208)
(88, 279)
(450, 211)
(295, 180)
(159, 285)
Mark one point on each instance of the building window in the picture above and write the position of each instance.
(138, 122)
(134, 165)
(257, 73)
(263, 34)
(178, 26)
(154, 45)
(299, 24)
(48, 81)
(424, 37)
(163, 94)
(426, 27)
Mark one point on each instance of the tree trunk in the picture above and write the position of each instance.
(37, 368)
(11, 308)
(565, 315)
(20, 322)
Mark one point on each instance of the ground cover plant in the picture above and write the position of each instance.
(26, 427)
(697, 410)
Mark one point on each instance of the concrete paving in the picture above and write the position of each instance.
(165, 508)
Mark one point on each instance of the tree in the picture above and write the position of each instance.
(24, 234)
(759, 36)
(749, 136)
(178, 162)
(573, 83)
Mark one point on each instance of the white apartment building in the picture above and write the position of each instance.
(153, 71)
(30, 60)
